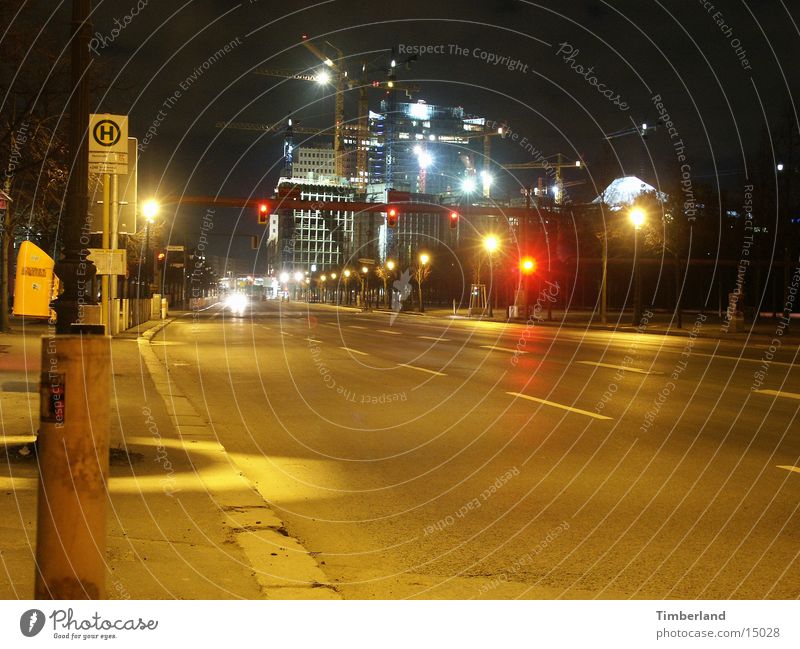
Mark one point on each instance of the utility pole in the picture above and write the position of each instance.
(6, 239)
(74, 270)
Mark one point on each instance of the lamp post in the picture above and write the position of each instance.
(423, 270)
(346, 279)
(490, 245)
(362, 278)
(637, 217)
(149, 211)
(386, 273)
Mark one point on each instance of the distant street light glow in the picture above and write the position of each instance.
(491, 243)
(150, 209)
(468, 185)
(637, 217)
(323, 77)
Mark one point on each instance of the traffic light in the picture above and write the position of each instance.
(453, 220)
(527, 265)
(391, 217)
(263, 213)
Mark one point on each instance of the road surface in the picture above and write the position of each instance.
(422, 457)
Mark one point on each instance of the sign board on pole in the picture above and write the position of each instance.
(108, 143)
(109, 262)
(174, 248)
(273, 227)
(127, 198)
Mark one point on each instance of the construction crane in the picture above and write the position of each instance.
(340, 76)
(487, 136)
(288, 141)
(559, 164)
(343, 81)
(263, 127)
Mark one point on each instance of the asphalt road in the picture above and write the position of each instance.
(426, 457)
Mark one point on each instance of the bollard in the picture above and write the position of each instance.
(73, 452)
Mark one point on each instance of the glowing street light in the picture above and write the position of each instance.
(424, 258)
(364, 270)
(283, 278)
(487, 178)
(150, 210)
(298, 276)
(491, 243)
(347, 273)
(468, 185)
(390, 265)
(637, 217)
(323, 77)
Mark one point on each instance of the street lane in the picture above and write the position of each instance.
(405, 463)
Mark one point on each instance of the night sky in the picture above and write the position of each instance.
(724, 102)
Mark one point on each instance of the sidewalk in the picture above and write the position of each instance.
(183, 522)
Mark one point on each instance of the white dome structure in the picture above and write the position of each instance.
(624, 191)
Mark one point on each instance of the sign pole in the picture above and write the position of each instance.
(113, 311)
(106, 229)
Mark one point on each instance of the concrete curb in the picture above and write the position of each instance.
(288, 571)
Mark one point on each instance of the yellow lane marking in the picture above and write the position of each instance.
(389, 331)
(354, 351)
(444, 340)
(617, 367)
(558, 405)
(504, 349)
(778, 393)
(422, 369)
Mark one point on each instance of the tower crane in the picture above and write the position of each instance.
(559, 164)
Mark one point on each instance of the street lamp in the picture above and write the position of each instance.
(387, 273)
(423, 270)
(346, 279)
(149, 211)
(637, 217)
(490, 244)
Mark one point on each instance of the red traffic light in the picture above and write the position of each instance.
(527, 265)
(454, 216)
(263, 213)
(391, 217)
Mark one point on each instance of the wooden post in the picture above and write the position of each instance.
(73, 467)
